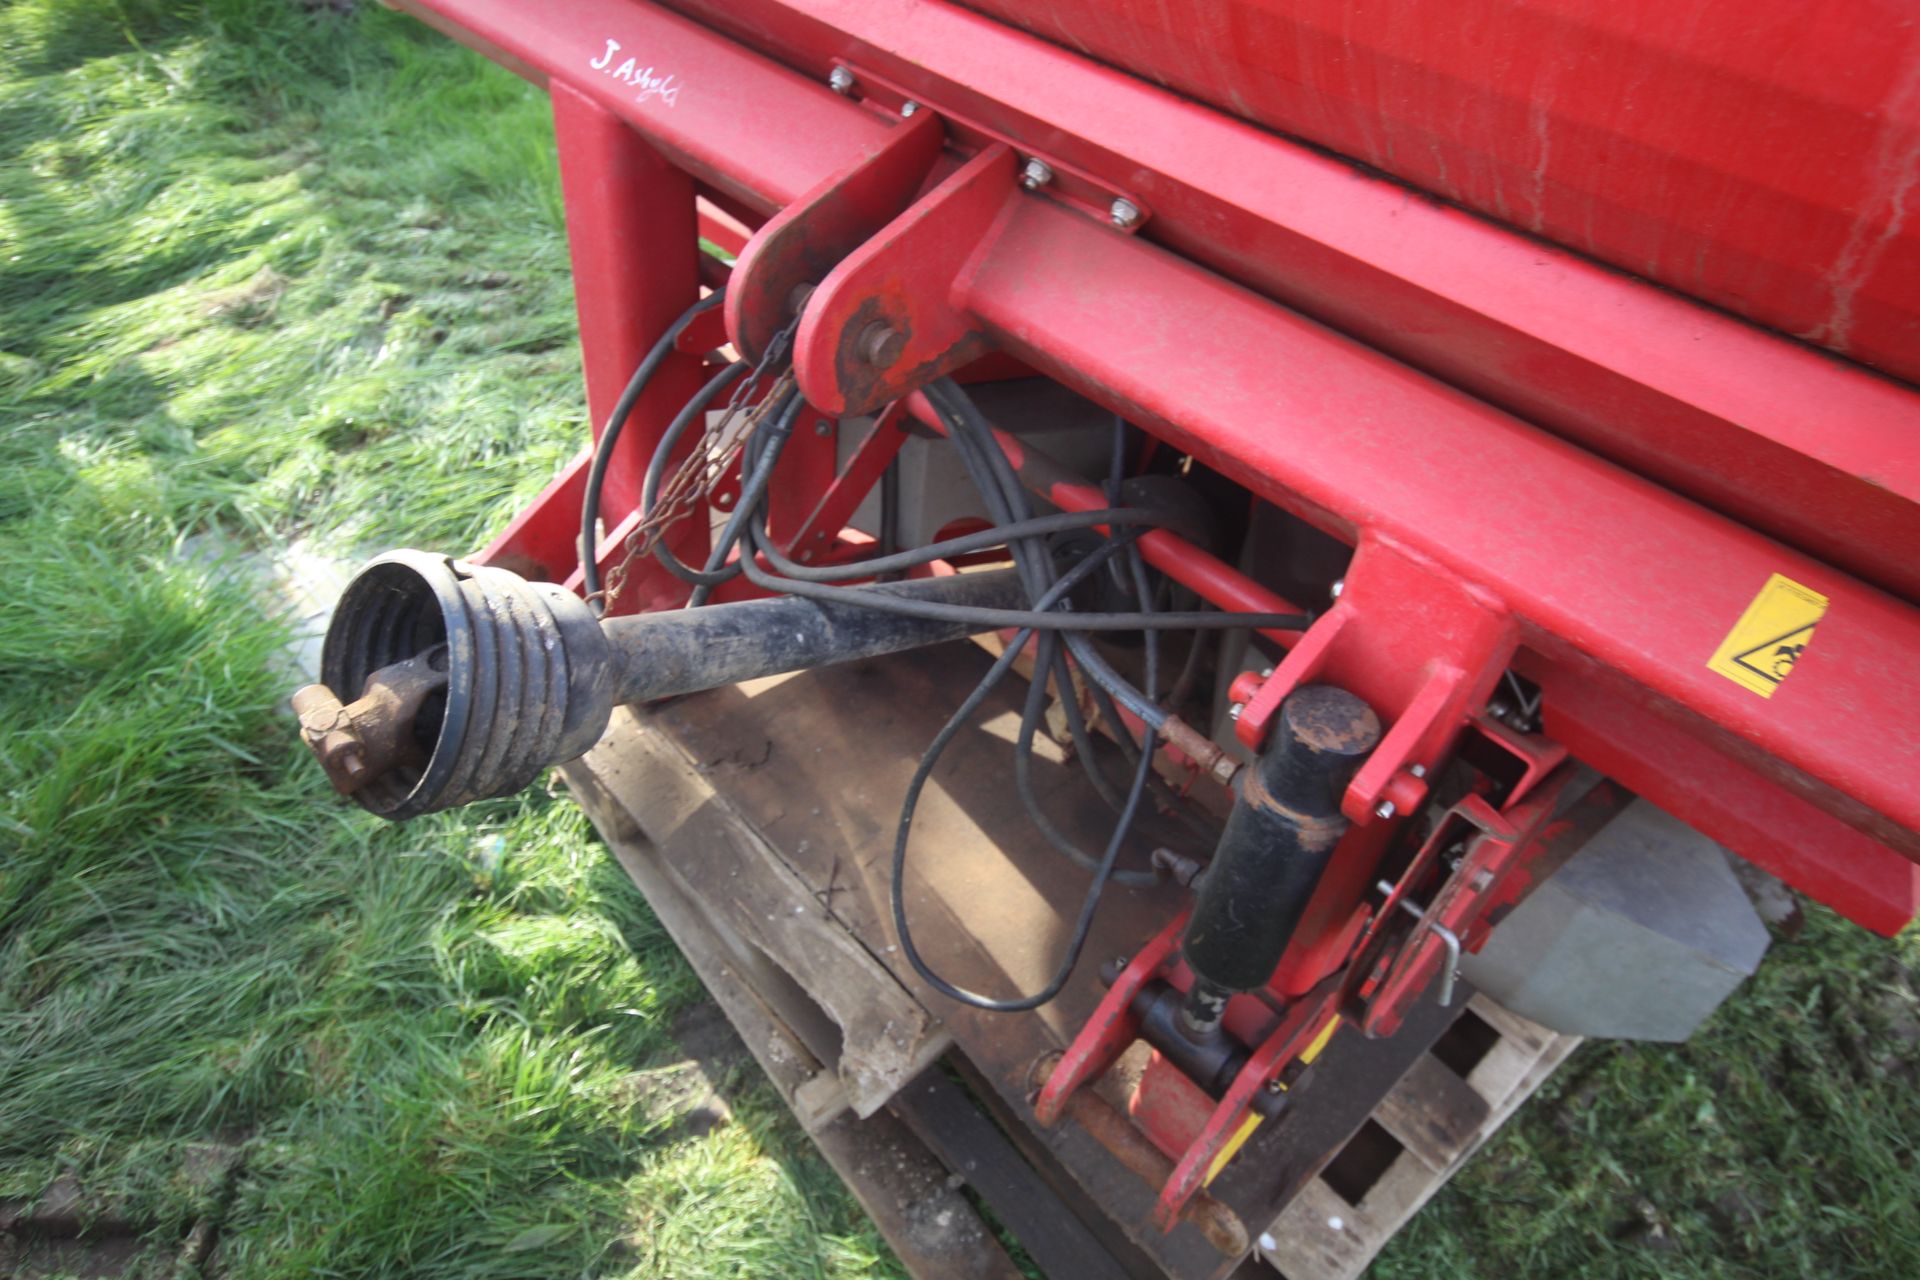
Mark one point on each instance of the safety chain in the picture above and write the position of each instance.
(692, 483)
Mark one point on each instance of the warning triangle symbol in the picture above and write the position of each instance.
(1773, 660)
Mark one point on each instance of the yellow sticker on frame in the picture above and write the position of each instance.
(1770, 637)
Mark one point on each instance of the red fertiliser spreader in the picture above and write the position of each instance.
(1148, 577)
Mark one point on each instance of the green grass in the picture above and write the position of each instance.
(266, 274)
(270, 275)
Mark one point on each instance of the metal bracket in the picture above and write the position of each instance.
(1112, 1027)
(882, 323)
(804, 241)
(1420, 645)
(1508, 853)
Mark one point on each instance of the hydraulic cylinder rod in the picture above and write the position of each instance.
(1280, 836)
(469, 680)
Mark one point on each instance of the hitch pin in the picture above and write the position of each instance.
(1448, 938)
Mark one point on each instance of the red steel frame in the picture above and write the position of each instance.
(1783, 438)
(1437, 441)
(1614, 584)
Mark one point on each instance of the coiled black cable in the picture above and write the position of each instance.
(1060, 628)
(1083, 922)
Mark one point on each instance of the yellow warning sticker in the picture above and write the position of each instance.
(1770, 637)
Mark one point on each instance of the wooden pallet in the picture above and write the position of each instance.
(757, 821)
(1455, 1098)
(852, 1055)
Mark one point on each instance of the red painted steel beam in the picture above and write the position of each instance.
(1603, 570)
(1814, 450)
(742, 123)
(1811, 449)
(1854, 874)
(1611, 577)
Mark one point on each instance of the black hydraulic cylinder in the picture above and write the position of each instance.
(467, 680)
(686, 650)
(1285, 823)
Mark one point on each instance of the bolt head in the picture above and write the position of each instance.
(908, 107)
(1124, 213)
(1339, 585)
(1385, 809)
(821, 427)
(1267, 1241)
(1233, 712)
(1417, 770)
(1036, 173)
(840, 80)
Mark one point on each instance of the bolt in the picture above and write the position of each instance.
(1233, 712)
(332, 736)
(797, 298)
(806, 557)
(1124, 213)
(908, 107)
(880, 344)
(1384, 809)
(1339, 585)
(1275, 1086)
(1267, 1241)
(1036, 173)
(1336, 1224)
(1417, 770)
(840, 80)
(821, 427)
(723, 500)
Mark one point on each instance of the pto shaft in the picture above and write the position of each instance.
(687, 650)
(468, 680)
